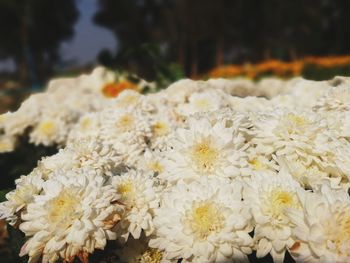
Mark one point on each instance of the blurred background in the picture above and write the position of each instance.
(161, 41)
(171, 39)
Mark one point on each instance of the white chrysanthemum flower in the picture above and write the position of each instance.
(127, 131)
(249, 104)
(49, 131)
(298, 86)
(18, 122)
(108, 84)
(240, 123)
(87, 126)
(161, 127)
(205, 101)
(302, 93)
(311, 175)
(152, 161)
(322, 228)
(241, 87)
(205, 221)
(7, 143)
(137, 251)
(3, 118)
(94, 154)
(72, 216)
(268, 197)
(63, 160)
(61, 86)
(286, 101)
(179, 91)
(26, 116)
(65, 101)
(140, 196)
(128, 99)
(98, 80)
(338, 124)
(126, 125)
(258, 164)
(203, 150)
(270, 87)
(286, 132)
(335, 155)
(336, 99)
(17, 200)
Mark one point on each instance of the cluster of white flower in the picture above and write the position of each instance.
(195, 173)
(49, 116)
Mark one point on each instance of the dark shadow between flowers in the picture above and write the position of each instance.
(21, 161)
(12, 165)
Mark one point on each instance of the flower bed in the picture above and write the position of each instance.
(203, 171)
(317, 68)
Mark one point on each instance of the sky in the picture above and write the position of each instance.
(88, 40)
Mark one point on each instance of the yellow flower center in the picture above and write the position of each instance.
(127, 100)
(126, 123)
(294, 124)
(257, 164)
(151, 255)
(338, 231)
(64, 208)
(204, 155)
(205, 219)
(85, 124)
(161, 128)
(202, 104)
(156, 167)
(278, 200)
(297, 120)
(127, 192)
(47, 127)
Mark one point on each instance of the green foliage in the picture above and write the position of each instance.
(3, 194)
(171, 73)
(165, 72)
(325, 73)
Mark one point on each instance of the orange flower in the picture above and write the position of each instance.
(328, 62)
(226, 71)
(112, 90)
(278, 67)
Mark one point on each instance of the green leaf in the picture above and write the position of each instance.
(3, 193)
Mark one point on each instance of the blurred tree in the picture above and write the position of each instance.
(200, 34)
(185, 31)
(31, 32)
(133, 24)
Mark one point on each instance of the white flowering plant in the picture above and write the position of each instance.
(202, 171)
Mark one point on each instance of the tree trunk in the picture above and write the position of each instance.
(219, 52)
(22, 69)
(194, 60)
(23, 62)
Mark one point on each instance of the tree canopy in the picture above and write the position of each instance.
(200, 34)
(32, 30)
